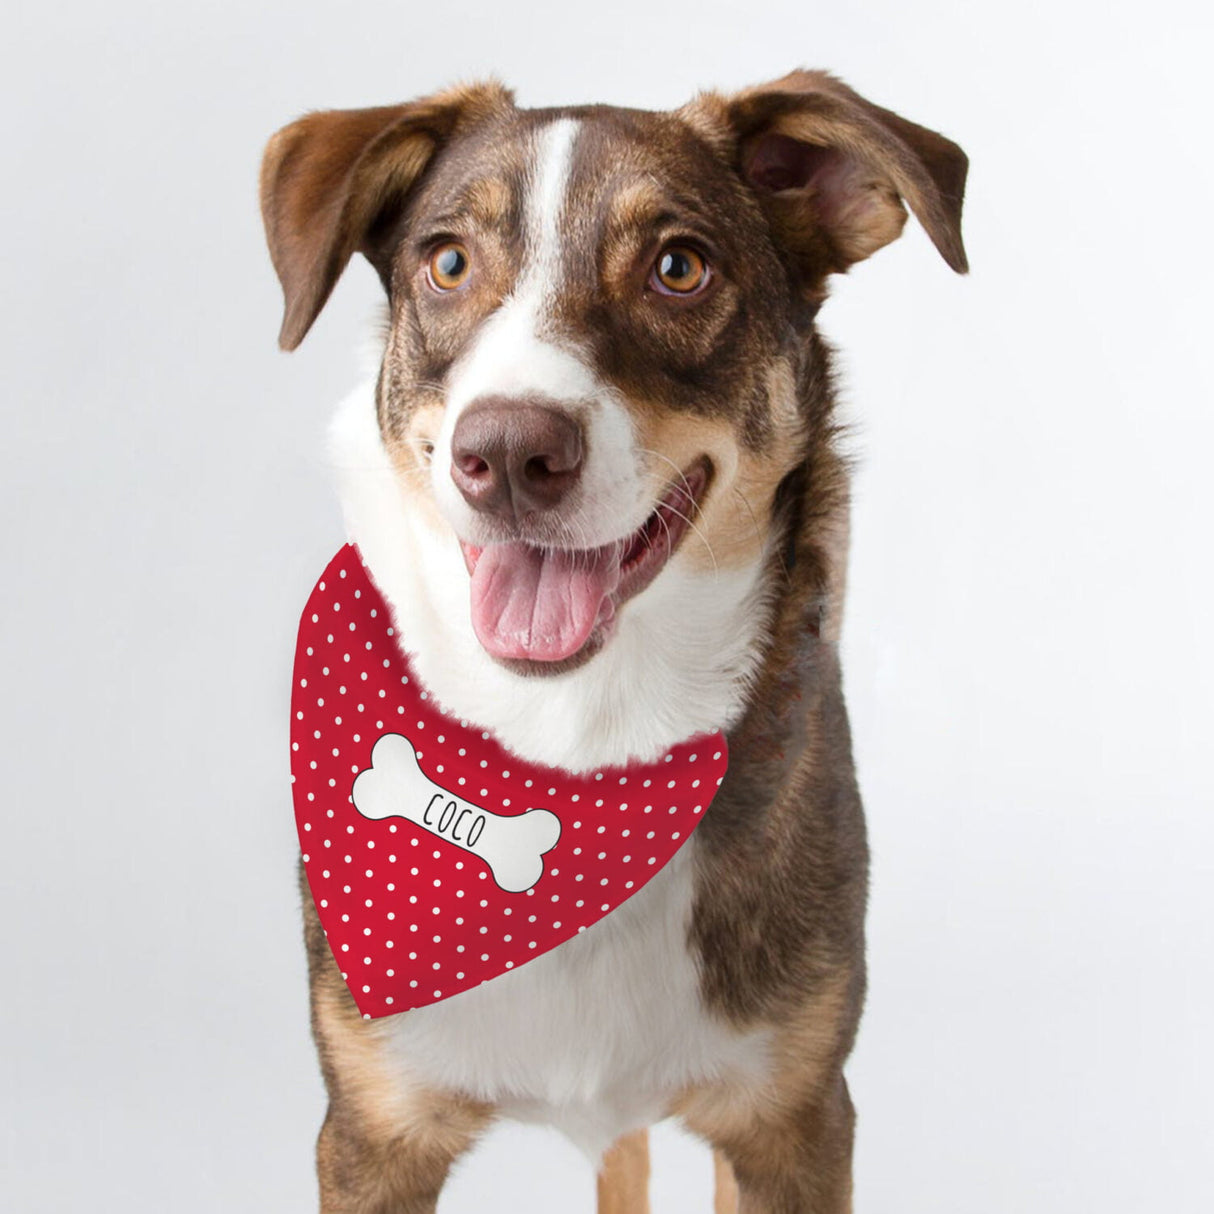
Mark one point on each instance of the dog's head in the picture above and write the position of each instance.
(600, 361)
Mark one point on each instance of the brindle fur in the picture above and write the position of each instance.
(782, 860)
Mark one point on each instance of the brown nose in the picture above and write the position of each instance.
(513, 458)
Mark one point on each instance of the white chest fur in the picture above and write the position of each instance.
(596, 1036)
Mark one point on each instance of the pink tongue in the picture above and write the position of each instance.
(530, 603)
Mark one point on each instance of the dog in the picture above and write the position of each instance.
(599, 481)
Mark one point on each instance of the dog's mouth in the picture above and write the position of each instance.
(541, 608)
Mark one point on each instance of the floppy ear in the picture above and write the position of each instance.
(334, 180)
(832, 170)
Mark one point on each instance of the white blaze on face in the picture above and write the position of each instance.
(518, 354)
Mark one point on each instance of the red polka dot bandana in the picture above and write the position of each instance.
(438, 860)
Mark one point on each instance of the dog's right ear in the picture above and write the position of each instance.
(332, 179)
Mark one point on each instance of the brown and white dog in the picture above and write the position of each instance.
(598, 481)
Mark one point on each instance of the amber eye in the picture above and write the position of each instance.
(679, 271)
(449, 266)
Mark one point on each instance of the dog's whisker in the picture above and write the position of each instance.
(785, 572)
(699, 534)
(682, 476)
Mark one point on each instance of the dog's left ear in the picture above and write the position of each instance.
(831, 169)
(334, 181)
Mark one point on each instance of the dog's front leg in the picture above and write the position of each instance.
(724, 1186)
(366, 1173)
(796, 1161)
(388, 1141)
(623, 1180)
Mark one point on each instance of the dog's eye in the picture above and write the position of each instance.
(679, 271)
(449, 266)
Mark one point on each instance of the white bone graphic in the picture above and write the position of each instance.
(513, 846)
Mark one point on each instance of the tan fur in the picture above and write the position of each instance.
(732, 526)
(724, 1186)
(408, 449)
(488, 202)
(623, 1179)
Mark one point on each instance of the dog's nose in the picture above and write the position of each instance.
(512, 458)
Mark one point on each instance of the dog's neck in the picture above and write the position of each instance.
(682, 662)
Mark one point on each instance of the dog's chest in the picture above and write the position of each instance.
(595, 1037)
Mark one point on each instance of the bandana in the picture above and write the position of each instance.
(438, 860)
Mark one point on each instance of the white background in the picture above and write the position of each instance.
(1028, 645)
